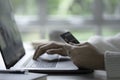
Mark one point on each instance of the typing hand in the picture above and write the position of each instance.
(52, 48)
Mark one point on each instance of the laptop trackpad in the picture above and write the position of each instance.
(49, 57)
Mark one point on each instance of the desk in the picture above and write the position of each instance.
(97, 75)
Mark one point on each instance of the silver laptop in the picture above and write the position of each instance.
(19, 56)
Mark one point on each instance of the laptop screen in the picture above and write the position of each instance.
(10, 41)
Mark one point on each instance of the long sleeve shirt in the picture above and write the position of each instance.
(110, 47)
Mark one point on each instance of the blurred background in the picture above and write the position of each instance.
(39, 19)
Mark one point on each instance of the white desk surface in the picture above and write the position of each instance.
(96, 75)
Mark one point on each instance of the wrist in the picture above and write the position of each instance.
(67, 48)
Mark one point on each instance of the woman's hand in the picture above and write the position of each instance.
(86, 55)
(52, 48)
(83, 55)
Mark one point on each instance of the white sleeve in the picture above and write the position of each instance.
(112, 65)
(108, 44)
(111, 49)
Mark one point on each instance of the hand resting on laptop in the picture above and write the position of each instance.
(83, 55)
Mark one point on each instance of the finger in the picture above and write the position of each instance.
(71, 43)
(38, 45)
(37, 53)
(82, 44)
(43, 49)
(59, 51)
(74, 44)
(67, 46)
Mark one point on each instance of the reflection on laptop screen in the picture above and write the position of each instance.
(10, 41)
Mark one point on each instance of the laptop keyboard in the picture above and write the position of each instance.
(42, 64)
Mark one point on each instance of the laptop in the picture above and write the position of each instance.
(18, 56)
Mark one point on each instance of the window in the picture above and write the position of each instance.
(84, 18)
